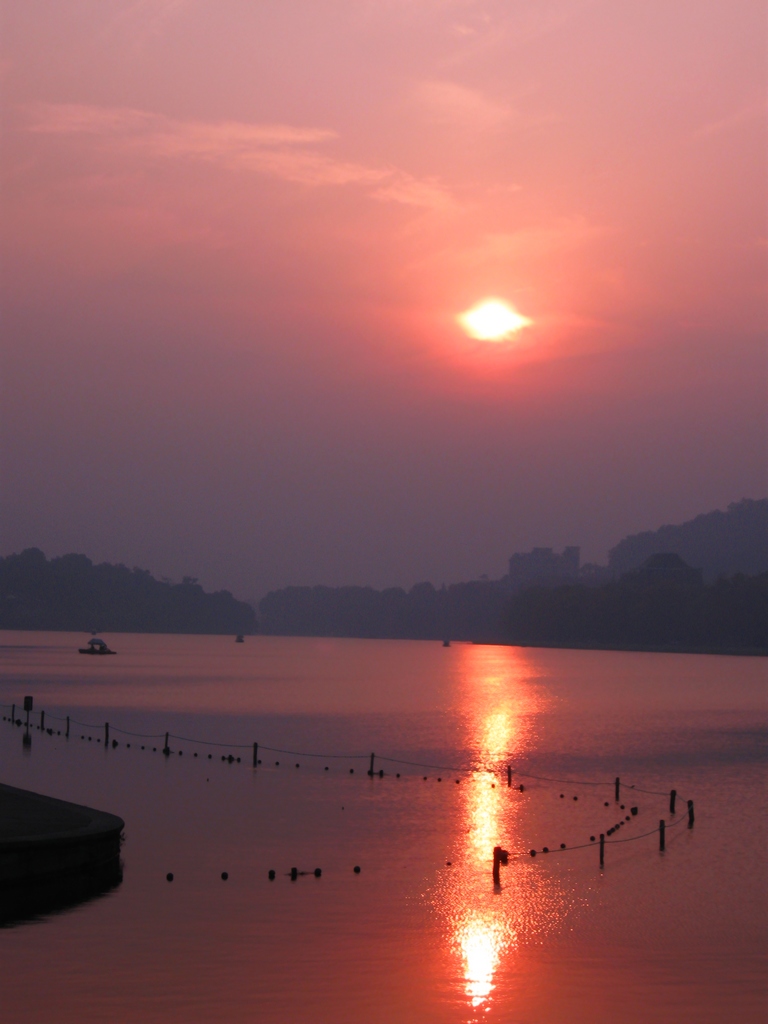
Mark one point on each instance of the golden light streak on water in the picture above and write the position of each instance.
(498, 702)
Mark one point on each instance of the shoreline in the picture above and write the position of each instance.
(740, 652)
(489, 641)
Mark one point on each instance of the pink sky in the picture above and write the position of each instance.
(236, 237)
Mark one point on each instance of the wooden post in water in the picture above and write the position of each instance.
(662, 841)
(370, 770)
(42, 721)
(509, 775)
(255, 754)
(166, 748)
(672, 798)
(499, 857)
(67, 732)
(690, 814)
(106, 735)
(618, 788)
(602, 849)
(13, 714)
(28, 702)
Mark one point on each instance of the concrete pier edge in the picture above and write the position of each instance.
(41, 836)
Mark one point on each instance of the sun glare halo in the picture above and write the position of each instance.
(492, 320)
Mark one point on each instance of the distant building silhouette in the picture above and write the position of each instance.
(543, 566)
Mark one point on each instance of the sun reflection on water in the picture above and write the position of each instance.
(481, 944)
(498, 703)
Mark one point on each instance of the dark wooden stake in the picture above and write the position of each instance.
(42, 721)
(602, 849)
(106, 735)
(672, 798)
(662, 828)
(509, 775)
(618, 788)
(370, 770)
(499, 857)
(690, 814)
(67, 732)
(255, 754)
(13, 714)
(166, 748)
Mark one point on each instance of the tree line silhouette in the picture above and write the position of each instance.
(71, 593)
(635, 612)
(638, 613)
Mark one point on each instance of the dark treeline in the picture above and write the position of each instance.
(637, 613)
(71, 593)
(463, 611)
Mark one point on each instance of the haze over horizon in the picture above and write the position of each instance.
(237, 240)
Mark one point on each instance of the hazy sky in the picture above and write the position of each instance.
(237, 235)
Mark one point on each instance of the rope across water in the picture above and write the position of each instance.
(463, 770)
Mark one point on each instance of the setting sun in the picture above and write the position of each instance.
(492, 320)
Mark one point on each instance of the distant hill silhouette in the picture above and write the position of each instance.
(718, 543)
(681, 587)
(71, 593)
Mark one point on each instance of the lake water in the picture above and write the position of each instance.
(420, 934)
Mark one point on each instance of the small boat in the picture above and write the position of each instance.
(239, 639)
(95, 646)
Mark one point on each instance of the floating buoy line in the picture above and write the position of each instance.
(506, 771)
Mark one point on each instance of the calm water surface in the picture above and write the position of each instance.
(420, 934)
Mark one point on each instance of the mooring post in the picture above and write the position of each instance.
(67, 732)
(672, 798)
(509, 775)
(106, 735)
(28, 702)
(602, 849)
(166, 748)
(690, 814)
(13, 714)
(662, 845)
(370, 770)
(255, 754)
(499, 857)
(618, 788)
(42, 721)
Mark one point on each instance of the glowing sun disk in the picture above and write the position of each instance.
(492, 320)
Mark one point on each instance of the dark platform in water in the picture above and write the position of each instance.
(41, 837)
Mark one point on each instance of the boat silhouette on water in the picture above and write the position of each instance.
(96, 646)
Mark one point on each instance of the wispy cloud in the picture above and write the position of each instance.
(451, 103)
(404, 188)
(153, 13)
(540, 241)
(724, 124)
(278, 150)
